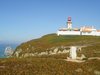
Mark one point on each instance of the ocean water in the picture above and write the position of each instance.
(3, 46)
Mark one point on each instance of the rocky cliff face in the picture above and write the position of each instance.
(48, 51)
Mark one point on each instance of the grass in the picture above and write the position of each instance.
(53, 64)
(46, 66)
(52, 40)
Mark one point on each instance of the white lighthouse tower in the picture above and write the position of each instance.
(69, 23)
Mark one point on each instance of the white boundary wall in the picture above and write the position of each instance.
(78, 33)
(68, 33)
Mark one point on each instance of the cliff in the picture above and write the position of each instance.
(47, 56)
(52, 44)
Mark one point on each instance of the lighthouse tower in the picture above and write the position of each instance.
(69, 23)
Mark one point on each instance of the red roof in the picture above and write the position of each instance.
(69, 18)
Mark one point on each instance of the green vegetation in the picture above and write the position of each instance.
(53, 64)
(47, 66)
(52, 40)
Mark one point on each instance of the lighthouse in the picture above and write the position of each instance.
(69, 23)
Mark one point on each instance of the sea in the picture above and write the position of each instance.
(3, 46)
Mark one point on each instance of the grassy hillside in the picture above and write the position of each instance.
(52, 40)
(53, 64)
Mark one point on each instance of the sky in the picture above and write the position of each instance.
(23, 20)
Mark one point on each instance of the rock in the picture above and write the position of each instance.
(96, 72)
(79, 70)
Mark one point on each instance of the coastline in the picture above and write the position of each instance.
(2, 49)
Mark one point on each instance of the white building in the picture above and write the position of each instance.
(75, 31)
(89, 31)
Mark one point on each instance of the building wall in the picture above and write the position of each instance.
(78, 33)
(91, 33)
(68, 32)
